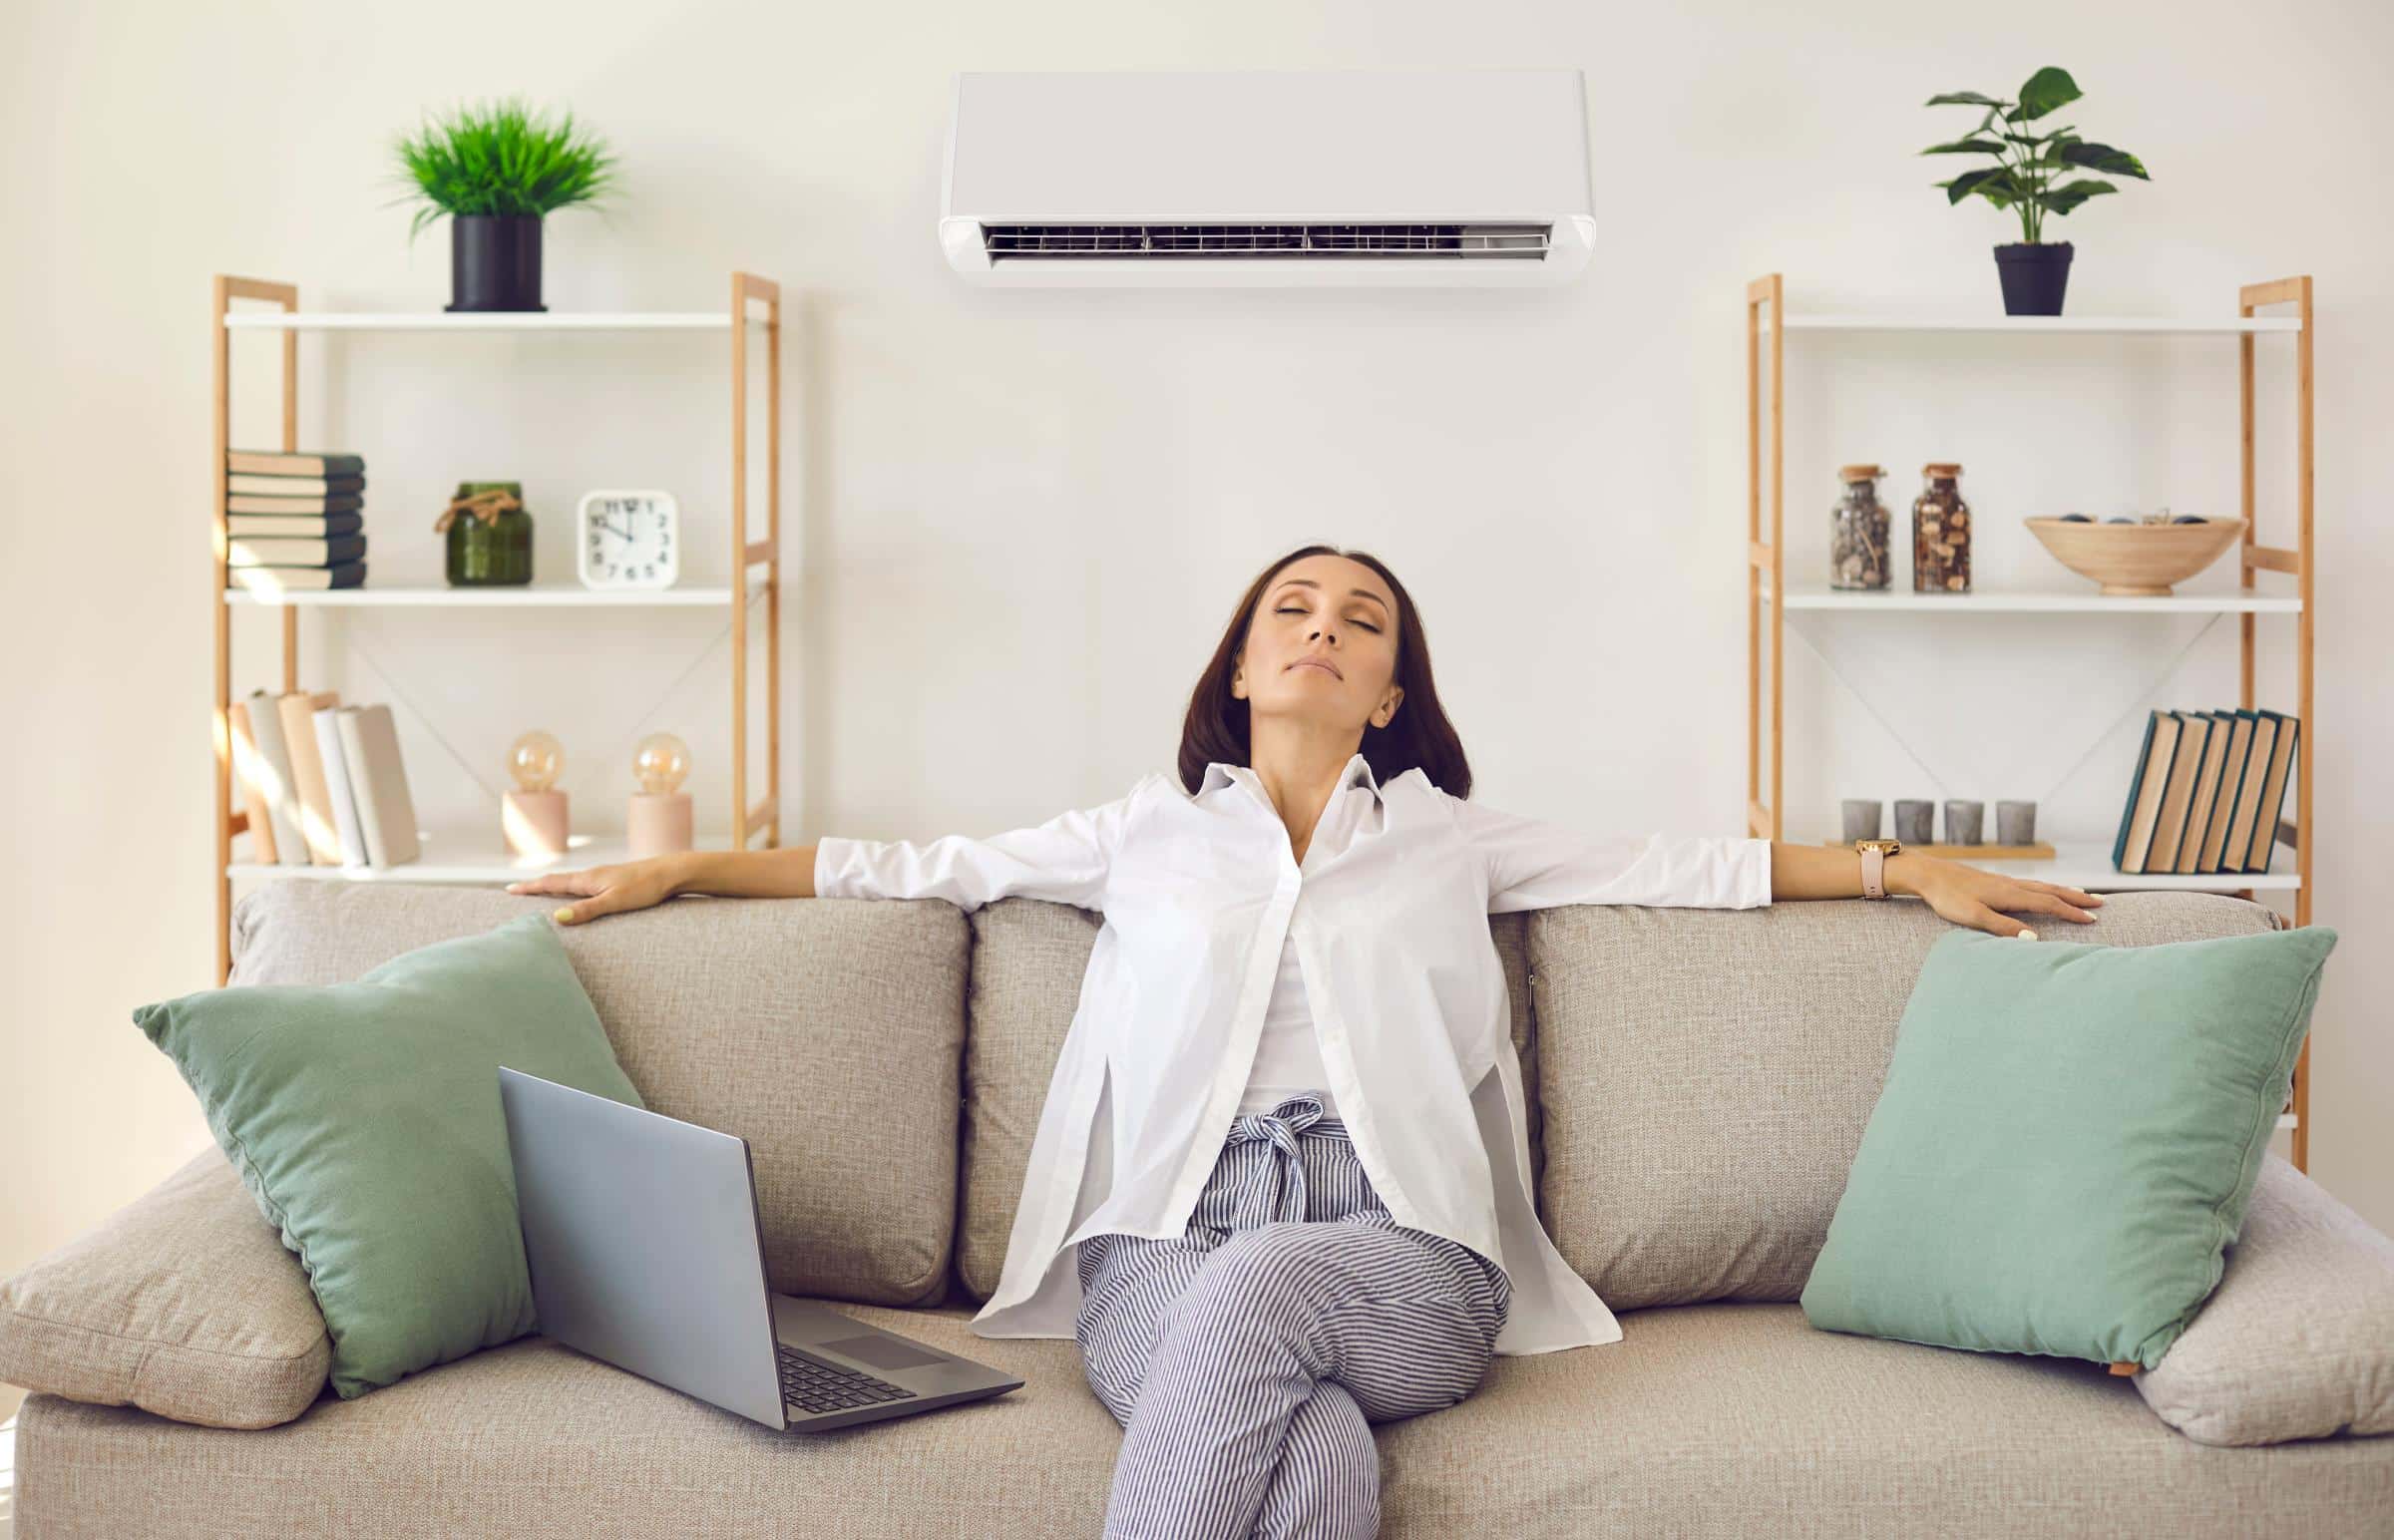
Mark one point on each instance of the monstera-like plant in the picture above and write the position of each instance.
(2035, 175)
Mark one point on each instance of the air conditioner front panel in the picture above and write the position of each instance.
(1256, 155)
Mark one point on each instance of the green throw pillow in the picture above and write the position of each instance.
(365, 1119)
(2065, 1141)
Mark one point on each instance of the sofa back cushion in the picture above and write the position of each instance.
(826, 1033)
(1706, 1074)
(1028, 959)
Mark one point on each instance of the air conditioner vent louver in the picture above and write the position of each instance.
(1294, 243)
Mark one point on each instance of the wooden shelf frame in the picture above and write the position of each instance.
(754, 312)
(1767, 324)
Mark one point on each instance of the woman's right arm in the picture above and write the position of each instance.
(787, 873)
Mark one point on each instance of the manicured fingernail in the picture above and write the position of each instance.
(2026, 936)
(563, 914)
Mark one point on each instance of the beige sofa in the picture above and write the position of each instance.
(1699, 1080)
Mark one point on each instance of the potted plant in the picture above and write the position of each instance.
(2026, 178)
(495, 171)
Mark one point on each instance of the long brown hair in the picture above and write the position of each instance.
(1419, 735)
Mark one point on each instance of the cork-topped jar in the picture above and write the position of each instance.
(1858, 531)
(1940, 532)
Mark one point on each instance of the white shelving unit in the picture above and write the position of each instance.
(479, 855)
(2034, 602)
(470, 855)
(572, 594)
(2030, 325)
(2085, 862)
(484, 320)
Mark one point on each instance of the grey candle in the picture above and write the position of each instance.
(1861, 818)
(1914, 817)
(2016, 823)
(1963, 821)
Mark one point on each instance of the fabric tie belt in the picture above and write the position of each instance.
(1286, 1199)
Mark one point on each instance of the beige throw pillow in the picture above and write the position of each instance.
(184, 1304)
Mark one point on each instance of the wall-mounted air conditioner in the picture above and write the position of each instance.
(1443, 177)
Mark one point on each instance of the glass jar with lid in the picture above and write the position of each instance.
(1940, 532)
(1858, 531)
(490, 535)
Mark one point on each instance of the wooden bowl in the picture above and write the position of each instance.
(2135, 558)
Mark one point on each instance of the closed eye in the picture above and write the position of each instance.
(1291, 609)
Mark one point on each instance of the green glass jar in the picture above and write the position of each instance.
(491, 553)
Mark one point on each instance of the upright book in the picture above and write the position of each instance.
(2273, 792)
(331, 748)
(2232, 785)
(2206, 794)
(2144, 807)
(2177, 792)
(386, 814)
(308, 773)
(263, 772)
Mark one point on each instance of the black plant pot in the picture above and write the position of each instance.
(495, 262)
(2034, 276)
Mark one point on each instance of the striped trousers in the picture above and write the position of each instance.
(1247, 1358)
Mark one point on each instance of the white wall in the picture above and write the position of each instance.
(1020, 519)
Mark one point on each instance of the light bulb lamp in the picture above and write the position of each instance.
(534, 815)
(659, 820)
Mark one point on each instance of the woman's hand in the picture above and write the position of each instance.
(1969, 897)
(609, 889)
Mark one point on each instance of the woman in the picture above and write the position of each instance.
(1315, 1213)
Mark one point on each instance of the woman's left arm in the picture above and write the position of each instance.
(1962, 894)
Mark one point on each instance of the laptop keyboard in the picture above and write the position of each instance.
(818, 1385)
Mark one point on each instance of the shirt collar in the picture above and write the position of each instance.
(1357, 773)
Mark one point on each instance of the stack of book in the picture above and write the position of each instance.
(2207, 792)
(322, 781)
(294, 520)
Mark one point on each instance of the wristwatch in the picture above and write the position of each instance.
(1875, 862)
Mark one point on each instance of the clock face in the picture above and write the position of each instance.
(629, 540)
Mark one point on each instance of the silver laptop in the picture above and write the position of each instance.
(646, 1251)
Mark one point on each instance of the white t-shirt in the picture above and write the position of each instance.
(1288, 1056)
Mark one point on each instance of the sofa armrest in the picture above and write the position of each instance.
(2297, 1341)
(185, 1303)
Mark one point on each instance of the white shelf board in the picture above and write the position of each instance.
(482, 321)
(512, 596)
(471, 855)
(2034, 601)
(2154, 325)
(2087, 864)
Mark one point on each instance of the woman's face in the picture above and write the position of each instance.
(1322, 646)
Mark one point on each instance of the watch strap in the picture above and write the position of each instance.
(1874, 864)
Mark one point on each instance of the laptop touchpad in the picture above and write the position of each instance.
(881, 1352)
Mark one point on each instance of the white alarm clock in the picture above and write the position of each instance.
(628, 539)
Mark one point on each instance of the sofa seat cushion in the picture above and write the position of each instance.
(828, 1033)
(185, 1303)
(1706, 1074)
(1716, 1419)
(1029, 960)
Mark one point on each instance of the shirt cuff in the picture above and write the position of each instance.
(1757, 876)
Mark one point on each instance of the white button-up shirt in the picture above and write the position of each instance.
(1389, 911)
